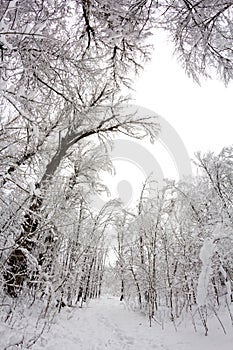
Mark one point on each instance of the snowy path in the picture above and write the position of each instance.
(107, 324)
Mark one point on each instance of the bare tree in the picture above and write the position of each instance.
(202, 33)
(184, 235)
(63, 65)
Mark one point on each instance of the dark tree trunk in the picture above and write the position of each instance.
(122, 290)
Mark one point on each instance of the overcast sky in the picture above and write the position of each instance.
(202, 115)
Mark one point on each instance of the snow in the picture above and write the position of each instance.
(107, 323)
(206, 254)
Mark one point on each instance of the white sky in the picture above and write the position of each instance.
(202, 115)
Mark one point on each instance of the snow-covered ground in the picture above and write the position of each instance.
(108, 324)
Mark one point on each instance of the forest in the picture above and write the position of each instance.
(64, 70)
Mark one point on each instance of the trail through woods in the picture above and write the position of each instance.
(108, 324)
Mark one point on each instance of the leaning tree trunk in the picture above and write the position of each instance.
(16, 266)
